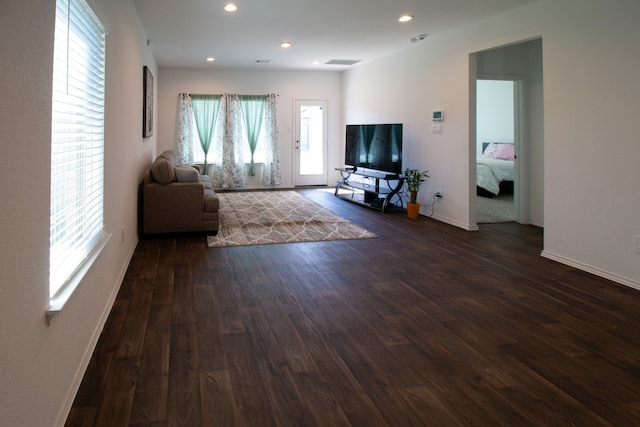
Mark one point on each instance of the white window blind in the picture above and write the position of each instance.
(77, 148)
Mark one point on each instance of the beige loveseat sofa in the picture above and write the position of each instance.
(176, 198)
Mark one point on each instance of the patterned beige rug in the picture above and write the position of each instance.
(268, 217)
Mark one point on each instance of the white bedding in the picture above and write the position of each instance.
(491, 172)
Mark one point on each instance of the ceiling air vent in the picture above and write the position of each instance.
(343, 61)
(263, 61)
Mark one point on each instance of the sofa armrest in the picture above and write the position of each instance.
(178, 205)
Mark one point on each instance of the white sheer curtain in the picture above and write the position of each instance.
(183, 143)
(228, 167)
(271, 167)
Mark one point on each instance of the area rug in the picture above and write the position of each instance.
(269, 217)
(496, 209)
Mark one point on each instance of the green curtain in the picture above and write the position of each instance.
(205, 112)
(253, 112)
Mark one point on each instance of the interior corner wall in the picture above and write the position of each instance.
(41, 366)
(590, 108)
(289, 85)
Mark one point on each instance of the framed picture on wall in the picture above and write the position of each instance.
(147, 103)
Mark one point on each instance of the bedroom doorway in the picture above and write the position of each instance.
(500, 149)
(521, 64)
(495, 134)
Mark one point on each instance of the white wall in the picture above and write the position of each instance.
(289, 85)
(494, 113)
(406, 88)
(41, 366)
(591, 149)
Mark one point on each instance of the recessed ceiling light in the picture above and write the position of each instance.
(285, 44)
(230, 7)
(210, 59)
(315, 63)
(405, 18)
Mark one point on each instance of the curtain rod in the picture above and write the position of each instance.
(239, 94)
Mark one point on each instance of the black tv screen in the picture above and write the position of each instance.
(374, 146)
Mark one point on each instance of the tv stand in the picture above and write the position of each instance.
(370, 188)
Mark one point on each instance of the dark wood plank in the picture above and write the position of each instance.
(249, 389)
(163, 283)
(210, 340)
(81, 417)
(217, 401)
(426, 325)
(150, 399)
(183, 403)
(115, 407)
(132, 335)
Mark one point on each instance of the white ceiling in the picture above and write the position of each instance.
(183, 33)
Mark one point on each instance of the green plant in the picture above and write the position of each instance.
(413, 178)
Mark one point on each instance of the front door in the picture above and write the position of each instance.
(310, 147)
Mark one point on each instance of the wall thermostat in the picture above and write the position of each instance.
(438, 116)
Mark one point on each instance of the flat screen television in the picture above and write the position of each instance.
(374, 146)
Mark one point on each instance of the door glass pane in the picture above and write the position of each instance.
(311, 138)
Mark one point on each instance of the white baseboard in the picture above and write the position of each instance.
(77, 380)
(591, 269)
(537, 224)
(458, 224)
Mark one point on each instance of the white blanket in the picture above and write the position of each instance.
(491, 172)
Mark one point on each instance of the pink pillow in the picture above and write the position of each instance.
(505, 152)
(490, 150)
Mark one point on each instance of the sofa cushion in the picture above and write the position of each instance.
(163, 171)
(211, 201)
(206, 181)
(171, 156)
(186, 173)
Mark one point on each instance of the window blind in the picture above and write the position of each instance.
(77, 147)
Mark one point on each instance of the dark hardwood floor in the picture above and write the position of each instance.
(425, 325)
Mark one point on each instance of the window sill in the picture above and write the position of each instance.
(57, 303)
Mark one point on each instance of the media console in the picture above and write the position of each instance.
(370, 188)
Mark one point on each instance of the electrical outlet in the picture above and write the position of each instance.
(439, 194)
(636, 244)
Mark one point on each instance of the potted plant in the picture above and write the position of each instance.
(413, 178)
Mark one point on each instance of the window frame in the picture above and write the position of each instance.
(77, 149)
(260, 154)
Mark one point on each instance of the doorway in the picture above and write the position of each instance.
(500, 148)
(520, 63)
(310, 156)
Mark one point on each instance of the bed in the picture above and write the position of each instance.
(495, 169)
